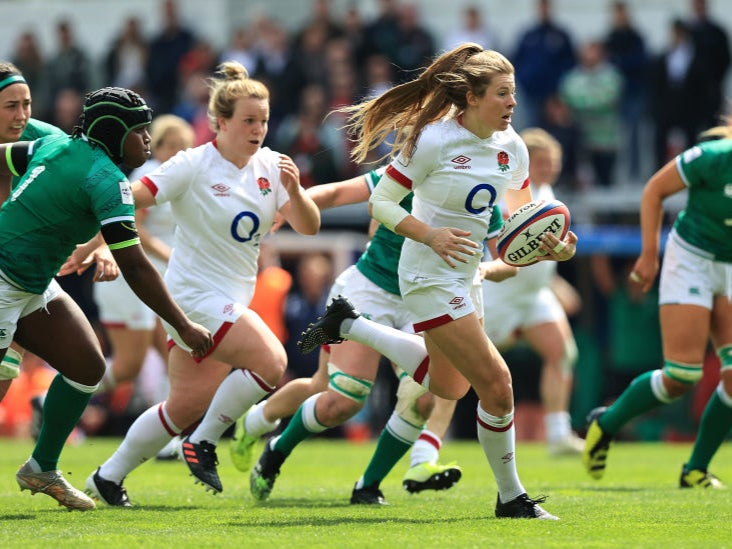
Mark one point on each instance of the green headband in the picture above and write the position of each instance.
(12, 79)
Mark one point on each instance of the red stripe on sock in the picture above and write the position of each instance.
(421, 371)
(166, 425)
(429, 439)
(262, 384)
(493, 427)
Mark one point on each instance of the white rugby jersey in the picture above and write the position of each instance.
(221, 213)
(456, 178)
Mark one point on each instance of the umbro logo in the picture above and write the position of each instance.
(457, 303)
(220, 189)
(461, 161)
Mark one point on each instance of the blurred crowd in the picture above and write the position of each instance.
(619, 110)
(605, 99)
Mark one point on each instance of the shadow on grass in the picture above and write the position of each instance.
(17, 517)
(337, 521)
(613, 489)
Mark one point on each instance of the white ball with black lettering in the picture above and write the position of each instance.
(518, 241)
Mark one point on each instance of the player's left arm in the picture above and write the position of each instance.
(300, 210)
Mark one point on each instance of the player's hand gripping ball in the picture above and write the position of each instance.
(519, 240)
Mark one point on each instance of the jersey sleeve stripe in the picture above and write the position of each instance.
(145, 180)
(9, 161)
(117, 219)
(526, 183)
(399, 177)
(125, 244)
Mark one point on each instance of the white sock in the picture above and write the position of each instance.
(426, 449)
(255, 424)
(235, 395)
(145, 438)
(558, 426)
(497, 436)
(407, 351)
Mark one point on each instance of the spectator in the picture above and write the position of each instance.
(127, 58)
(305, 302)
(69, 67)
(312, 144)
(592, 91)
(242, 49)
(67, 109)
(473, 29)
(167, 48)
(416, 45)
(679, 95)
(626, 50)
(193, 107)
(28, 58)
(382, 33)
(712, 44)
(558, 121)
(543, 55)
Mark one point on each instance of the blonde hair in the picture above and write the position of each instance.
(717, 132)
(537, 139)
(165, 124)
(407, 108)
(230, 83)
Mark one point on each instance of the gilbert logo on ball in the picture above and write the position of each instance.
(518, 241)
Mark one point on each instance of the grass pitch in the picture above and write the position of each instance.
(637, 504)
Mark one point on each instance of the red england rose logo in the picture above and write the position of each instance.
(503, 161)
(263, 183)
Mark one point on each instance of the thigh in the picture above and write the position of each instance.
(192, 385)
(62, 336)
(355, 359)
(250, 344)
(685, 331)
(547, 339)
(722, 321)
(466, 347)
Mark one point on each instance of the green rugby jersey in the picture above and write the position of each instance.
(380, 261)
(68, 191)
(35, 129)
(706, 221)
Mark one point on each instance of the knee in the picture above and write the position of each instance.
(275, 368)
(676, 389)
(334, 409)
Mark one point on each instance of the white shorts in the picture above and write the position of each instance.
(119, 306)
(689, 278)
(504, 317)
(16, 303)
(372, 301)
(214, 311)
(434, 302)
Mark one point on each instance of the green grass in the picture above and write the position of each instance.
(638, 504)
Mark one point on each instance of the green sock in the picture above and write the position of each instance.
(62, 409)
(715, 424)
(389, 450)
(637, 399)
(294, 434)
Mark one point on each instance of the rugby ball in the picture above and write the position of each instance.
(518, 242)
